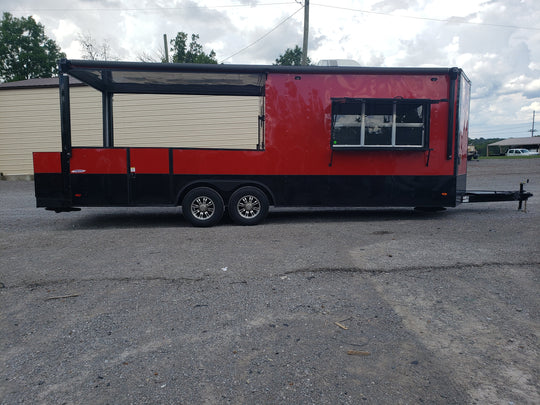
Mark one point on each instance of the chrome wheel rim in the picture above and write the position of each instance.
(248, 206)
(203, 207)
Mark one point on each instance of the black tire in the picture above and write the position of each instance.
(203, 207)
(248, 206)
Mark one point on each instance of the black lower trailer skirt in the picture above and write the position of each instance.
(283, 190)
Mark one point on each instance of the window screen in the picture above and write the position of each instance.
(382, 123)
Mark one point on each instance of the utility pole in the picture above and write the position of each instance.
(306, 32)
(532, 131)
(166, 47)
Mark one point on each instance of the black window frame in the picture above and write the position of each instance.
(357, 106)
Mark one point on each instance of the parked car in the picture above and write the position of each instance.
(520, 152)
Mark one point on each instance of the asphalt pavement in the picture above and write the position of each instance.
(324, 306)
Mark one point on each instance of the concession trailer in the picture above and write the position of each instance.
(316, 136)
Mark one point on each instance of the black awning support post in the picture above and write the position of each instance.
(65, 130)
(65, 113)
(107, 106)
(108, 137)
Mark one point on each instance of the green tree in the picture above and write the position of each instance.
(25, 50)
(291, 57)
(192, 53)
(481, 144)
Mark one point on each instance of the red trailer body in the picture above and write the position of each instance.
(374, 137)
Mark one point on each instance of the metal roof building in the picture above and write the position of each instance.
(531, 143)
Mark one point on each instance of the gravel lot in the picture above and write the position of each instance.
(313, 306)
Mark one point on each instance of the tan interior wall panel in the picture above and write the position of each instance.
(186, 121)
(30, 122)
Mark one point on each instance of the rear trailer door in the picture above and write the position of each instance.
(462, 135)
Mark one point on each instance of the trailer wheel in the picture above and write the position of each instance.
(248, 206)
(203, 207)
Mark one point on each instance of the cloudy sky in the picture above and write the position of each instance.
(496, 42)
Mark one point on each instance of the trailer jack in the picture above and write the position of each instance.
(490, 196)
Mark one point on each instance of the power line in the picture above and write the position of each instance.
(509, 126)
(504, 127)
(34, 10)
(147, 9)
(498, 135)
(522, 128)
(265, 35)
(497, 132)
(452, 21)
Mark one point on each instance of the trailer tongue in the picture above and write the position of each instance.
(492, 196)
(241, 138)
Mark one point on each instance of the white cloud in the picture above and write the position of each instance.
(496, 42)
(65, 30)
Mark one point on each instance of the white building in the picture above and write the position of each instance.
(499, 148)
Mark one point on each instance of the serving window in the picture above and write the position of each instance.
(380, 123)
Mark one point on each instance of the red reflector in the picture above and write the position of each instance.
(78, 195)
